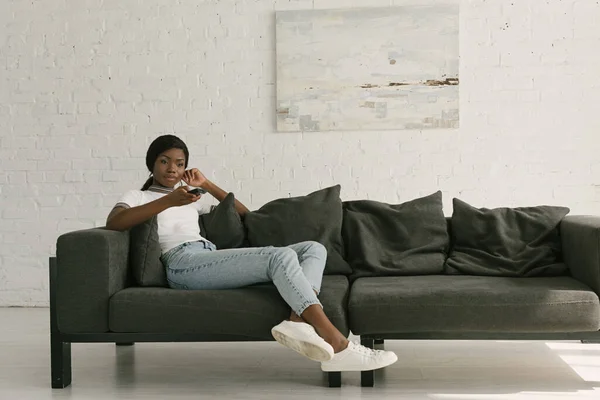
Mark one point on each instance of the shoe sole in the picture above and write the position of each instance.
(334, 368)
(307, 349)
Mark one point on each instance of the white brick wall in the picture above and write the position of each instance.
(86, 85)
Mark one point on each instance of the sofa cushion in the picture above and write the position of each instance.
(442, 303)
(517, 242)
(395, 239)
(223, 225)
(250, 312)
(144, 255)
(316, 216)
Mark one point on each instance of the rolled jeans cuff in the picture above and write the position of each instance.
(307, 304)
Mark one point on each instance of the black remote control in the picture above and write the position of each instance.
(197, 191)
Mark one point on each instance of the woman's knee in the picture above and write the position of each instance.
(283, 257)
(317, 250)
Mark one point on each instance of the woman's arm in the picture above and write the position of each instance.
(121, 218)
(220, 194)
(194, 177)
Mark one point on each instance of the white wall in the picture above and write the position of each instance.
(86, 85)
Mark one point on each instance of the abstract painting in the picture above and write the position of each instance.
(368, 69)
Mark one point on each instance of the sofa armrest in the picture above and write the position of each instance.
(581, 248)
(92, 265)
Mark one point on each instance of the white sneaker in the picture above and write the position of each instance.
(357, 357)
(302, 338)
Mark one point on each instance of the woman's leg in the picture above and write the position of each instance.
(195, 267)
(312, 257)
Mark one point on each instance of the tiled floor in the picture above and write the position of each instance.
(426, 369)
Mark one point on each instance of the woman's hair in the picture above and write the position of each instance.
(158, 146)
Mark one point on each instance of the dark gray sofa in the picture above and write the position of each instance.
(92, 299)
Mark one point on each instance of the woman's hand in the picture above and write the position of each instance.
(194, 177)
(181, 197)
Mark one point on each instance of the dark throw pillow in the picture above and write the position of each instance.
(510, 242)
(223, 225)
(316, 216)
(144, 254)
(395, 239)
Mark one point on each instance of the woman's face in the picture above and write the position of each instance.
(169, 167)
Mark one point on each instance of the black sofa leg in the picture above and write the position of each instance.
(366, 377)
(60, 356)
(335, 379)
(125, 343)
(379, 341)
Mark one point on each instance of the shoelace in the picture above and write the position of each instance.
(365, 350)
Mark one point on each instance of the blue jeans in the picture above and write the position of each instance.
(296, 270)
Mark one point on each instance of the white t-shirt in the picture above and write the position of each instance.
(176, 225)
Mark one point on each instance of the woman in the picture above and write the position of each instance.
(194, 263)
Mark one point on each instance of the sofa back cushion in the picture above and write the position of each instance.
(395, 239)
(316, 216)
(223, 225)
(144, 254)
(510, 242)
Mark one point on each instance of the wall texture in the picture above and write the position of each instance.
(86, 85)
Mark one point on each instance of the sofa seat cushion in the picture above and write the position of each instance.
(438, 303)
(251, 311)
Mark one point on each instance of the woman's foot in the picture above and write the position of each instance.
(357, 357)
(339, 343)
(295, 318)
(302, 338)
